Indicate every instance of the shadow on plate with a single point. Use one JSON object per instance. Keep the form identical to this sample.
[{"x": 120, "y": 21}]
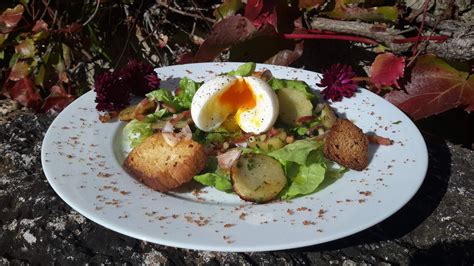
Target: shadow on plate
[{"x": 417, "y": 210}]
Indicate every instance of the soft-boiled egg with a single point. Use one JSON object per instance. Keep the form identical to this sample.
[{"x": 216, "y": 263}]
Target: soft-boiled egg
[{"x": 249, "y": 101}]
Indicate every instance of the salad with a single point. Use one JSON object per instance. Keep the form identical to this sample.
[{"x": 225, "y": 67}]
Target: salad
[{"x": 253, "y": 134}]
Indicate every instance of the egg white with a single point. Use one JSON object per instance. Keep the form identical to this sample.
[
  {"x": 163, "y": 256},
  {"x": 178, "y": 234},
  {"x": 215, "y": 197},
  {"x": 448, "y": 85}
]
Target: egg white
[{"x": 208, "y": 113}]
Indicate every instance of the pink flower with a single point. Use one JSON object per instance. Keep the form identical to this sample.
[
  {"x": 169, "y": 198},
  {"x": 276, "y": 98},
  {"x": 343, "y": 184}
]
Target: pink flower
[{"x": 338, "y": 82}]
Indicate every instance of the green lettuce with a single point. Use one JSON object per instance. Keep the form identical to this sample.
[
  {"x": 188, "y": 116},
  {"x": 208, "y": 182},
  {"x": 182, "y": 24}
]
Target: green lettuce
[
  {"x": 182, "y": 100},
  {"x": 244, "y": 70},
  {"x": 220, "y": 182},
  {"x": 300, "y": 85},
  {"x": 297, "y": 151},
  {"x": 137, "y": 131},
  {"x": 306, "y": 180},
  {"x": 188, "y": 89}
]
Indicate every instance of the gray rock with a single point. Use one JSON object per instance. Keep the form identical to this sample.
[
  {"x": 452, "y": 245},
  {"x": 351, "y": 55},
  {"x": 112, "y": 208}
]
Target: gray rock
[{"x": 36, "y": 226}]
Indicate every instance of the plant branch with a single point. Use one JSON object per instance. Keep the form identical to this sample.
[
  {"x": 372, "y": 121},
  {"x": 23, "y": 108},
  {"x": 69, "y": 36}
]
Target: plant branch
[
  {"x": 330, "y": 37},
  {"x": 368, "y": 30},
  {"x": 184, "y": 13}
]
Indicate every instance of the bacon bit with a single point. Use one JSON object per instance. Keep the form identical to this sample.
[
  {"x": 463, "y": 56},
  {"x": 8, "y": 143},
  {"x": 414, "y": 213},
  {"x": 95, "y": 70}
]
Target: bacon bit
[
  {"x": 375, "y": 139},
  {"x": 229, "y": 158},
  {"x": 313, "y": 129},
  {"x": 108, "y": 116},
  {"x": 170, "y": 108},
  {"x": 290, "y": 139},
  {"x": 272, "y": 132},
  {"x": 304, "y": 119},
  {"x": 144, "y": 107},
  {"x": 178, "y": 117}
]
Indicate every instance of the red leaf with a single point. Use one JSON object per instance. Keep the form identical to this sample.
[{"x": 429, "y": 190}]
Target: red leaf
[
  {"x": 262, "y": 13},
  {"x": 435, "y": 87},
  {"x": 57, "y": 100},
  {"x": 386, "y": 69},
  {"x": 10, "y": 18},
  {"x": 19, "y": 71},
  {"x": 40, "y": 25},
  {"x": 24, "y": 92},
  {"x": 224, "y": 34}
]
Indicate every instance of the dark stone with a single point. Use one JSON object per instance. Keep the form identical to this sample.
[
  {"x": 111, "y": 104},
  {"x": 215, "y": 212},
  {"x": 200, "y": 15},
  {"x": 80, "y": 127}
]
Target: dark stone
[{"x": 36, "y": 226}]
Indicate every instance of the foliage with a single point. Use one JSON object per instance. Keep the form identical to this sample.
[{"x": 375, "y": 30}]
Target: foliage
[{"x": 41, "y": 51}]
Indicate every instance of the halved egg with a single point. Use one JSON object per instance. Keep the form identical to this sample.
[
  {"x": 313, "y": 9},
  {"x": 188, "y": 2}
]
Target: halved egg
[{"x": 249, "y": 101}]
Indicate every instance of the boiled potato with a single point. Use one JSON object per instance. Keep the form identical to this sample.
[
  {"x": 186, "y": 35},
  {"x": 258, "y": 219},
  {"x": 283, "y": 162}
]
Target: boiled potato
[
  {"x": 258, "y": 178},
  {"x": 293, "y": 105},
  {"x": 269, "y": 144}
]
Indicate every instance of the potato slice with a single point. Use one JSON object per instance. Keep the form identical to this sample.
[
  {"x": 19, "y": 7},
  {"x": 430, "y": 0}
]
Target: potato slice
[
  {"x": 258, "y": 178},
  {"x": 293, "y": 105},
  {"x": 269, "y": 144}
]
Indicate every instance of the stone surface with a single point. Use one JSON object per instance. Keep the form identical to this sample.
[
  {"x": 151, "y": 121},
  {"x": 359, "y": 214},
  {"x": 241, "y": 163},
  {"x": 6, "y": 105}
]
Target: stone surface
[{"x": 36, "y": 226}]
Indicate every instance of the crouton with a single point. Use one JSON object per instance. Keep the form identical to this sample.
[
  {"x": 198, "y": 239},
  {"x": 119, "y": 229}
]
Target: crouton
[
  {"x": 347, "y": 145},
  {"x": 163, "y": 167}
]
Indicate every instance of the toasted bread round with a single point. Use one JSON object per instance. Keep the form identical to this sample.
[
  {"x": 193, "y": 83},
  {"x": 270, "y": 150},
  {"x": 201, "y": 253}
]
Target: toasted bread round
[
  {"x": 347, "y": 145},
  {"x": 163, "y": 167}
]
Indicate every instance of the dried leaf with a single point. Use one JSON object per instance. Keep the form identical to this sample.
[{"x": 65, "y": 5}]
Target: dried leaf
[
  {"x": 348, "y": 10},
  {"x": 227, "y": 8},
  {"x": 310, "y": 4},
  {"x": 435, "y": 87},
  {"x": 26, "y": 49},
  {"x": 10, "y": 18},
  {"x": 225, "y": 33},
  {"x": 262, "y": 13},
  {"x": 24, "y": 92},
  {"x": 57, "y": 100},
  {"x": 39, "y": 26},
  {"x": 386, "y": 69},
  {"x": 286, "y": 57},
  {"x": 19, "y": 71}
]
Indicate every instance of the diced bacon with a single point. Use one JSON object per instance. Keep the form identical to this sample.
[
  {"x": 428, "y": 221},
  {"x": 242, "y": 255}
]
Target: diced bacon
[
  {"x": 375, "y": 139},
  {"x": 229, "y": 158}
]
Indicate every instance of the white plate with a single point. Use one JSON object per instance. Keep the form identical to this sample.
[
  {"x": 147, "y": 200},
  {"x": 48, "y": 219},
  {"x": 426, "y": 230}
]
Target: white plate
[{"x": 82, "y": 159}]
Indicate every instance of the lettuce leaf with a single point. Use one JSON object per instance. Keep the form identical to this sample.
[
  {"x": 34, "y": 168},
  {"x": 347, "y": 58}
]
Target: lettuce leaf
[
  {"x": 137, "y": 131},
  {"x": 188, "y": 89},
  {"x": 182, "y": 100},
  {"x": 297, "y": 151},
  {"x": 220, "y": 182},
  {"x": 300, "y": 85},
  {"x": 306, "y": 180},
  {"x": 244, "y": 70}
]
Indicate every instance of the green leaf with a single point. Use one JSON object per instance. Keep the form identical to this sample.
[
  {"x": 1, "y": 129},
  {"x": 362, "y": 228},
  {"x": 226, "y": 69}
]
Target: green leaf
[
  {"x": 244, "y": 70},
  {"x": 39, "y": 77},
  {"x": 297, "y": 151},
  {"x": 3, "y": 38},
  {"x": 188, "y": 89},
  {"x": 13, "y": 60},
  {"x": 349, "y": 10},
  {"x": 137, "y": 131},
  {"x": 227, "y": 8},
  {"x": 26, "y": 49},
  {"x": 2, "y": 54},
  {"x": 220, "y": 182},
  {"x": 306, "y": 180}
]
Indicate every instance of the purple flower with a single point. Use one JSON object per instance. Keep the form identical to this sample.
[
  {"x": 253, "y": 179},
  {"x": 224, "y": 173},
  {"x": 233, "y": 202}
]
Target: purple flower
[
  {"x": 138, "y": 73},
  {"x": 112, "y": 93},
  {"x": 338, "y": 82},
  {"x": 114, "y": 89}
]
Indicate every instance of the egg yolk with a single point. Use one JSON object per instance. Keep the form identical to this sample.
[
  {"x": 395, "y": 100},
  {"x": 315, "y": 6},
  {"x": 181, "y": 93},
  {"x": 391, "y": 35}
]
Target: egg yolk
[{"x": 238, "y": 96}]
